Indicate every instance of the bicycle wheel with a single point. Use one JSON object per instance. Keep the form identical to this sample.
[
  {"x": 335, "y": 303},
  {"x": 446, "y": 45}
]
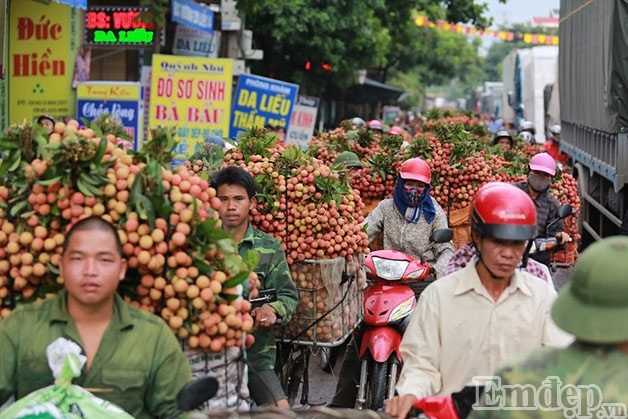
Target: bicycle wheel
[
  {"x": 376, "y": 390},
  {"x": 295, "y": 378}
]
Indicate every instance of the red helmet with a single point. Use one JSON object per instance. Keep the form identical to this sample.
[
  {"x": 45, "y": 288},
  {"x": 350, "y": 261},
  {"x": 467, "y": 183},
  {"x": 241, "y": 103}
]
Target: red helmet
[
  {"x": 375, "y": 124},
  {"x": 503, "y": 211},
  {"x": 543, "y": 162},
  {"x": 416, "y": 169}
]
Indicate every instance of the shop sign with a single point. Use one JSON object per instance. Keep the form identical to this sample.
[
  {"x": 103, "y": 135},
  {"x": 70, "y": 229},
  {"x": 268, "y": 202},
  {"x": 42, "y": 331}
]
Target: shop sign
[
  {"x": 192, "y": 15},
  {"x": 118, "y": 26},
  {"x": 302, "y": 121},
  {"x": 260, "y": 101}
]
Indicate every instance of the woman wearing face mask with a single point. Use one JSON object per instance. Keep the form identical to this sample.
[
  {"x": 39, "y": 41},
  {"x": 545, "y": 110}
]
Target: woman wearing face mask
[
  {"x": 409, "y": 218},
  {"x": 542, "y": 168},
  {"x": 407, "y": 221}
]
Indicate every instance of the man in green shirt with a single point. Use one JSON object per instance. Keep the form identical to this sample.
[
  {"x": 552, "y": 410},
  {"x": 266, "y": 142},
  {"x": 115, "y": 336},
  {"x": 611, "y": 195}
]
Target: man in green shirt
[
  {"x": 588, "y": 378},
  {"x": 236, "y": 189},
  {"x": 133, "y": 358}
]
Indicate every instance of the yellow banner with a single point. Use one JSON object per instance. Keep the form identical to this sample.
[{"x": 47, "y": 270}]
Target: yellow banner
[
  {"x": 43, "y": 42},
  {"x": 192, "y": 94},
  {"x": 104, "y": 91}
]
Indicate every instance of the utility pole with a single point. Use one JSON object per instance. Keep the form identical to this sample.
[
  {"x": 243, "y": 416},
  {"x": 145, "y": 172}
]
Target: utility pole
[{"x": 237, "y": 41}]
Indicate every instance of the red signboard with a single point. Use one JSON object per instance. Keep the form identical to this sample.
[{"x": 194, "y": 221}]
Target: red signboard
[{"x": 118, "y": 26}]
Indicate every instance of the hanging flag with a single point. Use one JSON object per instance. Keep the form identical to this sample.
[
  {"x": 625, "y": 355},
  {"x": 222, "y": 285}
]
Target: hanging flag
[{"x": 528, "y": 38}]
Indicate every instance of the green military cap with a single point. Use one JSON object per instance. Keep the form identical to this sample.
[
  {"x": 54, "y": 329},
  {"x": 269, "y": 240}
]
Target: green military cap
[
  {"x": 594, "y": 305},
  {"x": 348, "y": 158}
]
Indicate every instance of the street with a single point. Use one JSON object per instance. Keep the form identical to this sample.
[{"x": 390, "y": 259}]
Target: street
[{"x": 322, "y": 384}]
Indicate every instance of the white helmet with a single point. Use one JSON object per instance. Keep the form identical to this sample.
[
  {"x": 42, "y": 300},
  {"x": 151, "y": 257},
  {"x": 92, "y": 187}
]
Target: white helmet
[
  {"x": 527, "y": 126},
  {"x": 555, "y": 131}
]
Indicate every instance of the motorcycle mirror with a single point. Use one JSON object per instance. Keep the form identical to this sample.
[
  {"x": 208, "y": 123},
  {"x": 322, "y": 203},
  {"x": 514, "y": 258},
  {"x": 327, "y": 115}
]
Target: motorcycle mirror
[
  {"x": 442, "y": 235},
  {"x": 196, "y": 392},
  {"x": 563, "y": 211}
]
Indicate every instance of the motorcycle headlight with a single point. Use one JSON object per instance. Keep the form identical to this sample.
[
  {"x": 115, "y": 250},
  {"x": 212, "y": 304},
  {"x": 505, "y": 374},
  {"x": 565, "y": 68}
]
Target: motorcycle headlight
[
  {"x": 402, "y": 310},
  {"x": 391, "y": 270}
]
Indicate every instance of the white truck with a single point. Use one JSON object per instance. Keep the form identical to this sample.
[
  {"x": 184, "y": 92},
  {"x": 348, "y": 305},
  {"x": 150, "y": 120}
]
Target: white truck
[
  {"x": 527, "y": 73},
  {"x": 593, "y": 75}
]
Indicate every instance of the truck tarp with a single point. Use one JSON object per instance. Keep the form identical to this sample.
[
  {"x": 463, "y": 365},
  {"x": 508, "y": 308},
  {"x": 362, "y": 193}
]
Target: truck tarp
[{"x": 596, "y": 77}]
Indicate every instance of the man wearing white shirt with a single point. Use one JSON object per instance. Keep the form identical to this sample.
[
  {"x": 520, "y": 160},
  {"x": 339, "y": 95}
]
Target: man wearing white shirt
[{"x": 468, "y": 323}]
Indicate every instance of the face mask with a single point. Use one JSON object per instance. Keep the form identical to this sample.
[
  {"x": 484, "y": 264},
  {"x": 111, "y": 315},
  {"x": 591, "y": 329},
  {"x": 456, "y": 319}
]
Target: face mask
[
  {"x": 539, "y": 183},
  {"x": 414, "y": 195}
]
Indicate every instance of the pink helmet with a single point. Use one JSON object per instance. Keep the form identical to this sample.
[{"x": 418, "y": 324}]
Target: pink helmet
[
  {"x": 416, "y": 169},
  {"x": 543, "y": 162},
  {"x": 394, "y": 130},
  {"x": 374, "y": 124}
]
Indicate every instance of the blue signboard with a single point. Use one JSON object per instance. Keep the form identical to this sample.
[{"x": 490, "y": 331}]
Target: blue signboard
[
  {"x": 260, "y": 101},
  {"x": 193, "y": 15},
  {"x": 123, "y": 101}
]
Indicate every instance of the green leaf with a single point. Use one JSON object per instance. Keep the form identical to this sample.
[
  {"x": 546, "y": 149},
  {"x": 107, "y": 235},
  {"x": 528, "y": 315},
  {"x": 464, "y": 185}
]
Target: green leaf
[
  {"x": 101, "y": 149},
  {"x": 252, "y": 258},
  {"x": 17, "y": 208},
  {"x": 9, "y": 144},
  {"x": 15, "y": 163},
  {"x": 236, "y": 280},
  {"x": 229, "y": 297},
  {"x": 47, "y": 182},
  {"x": 146, "y": 210}
]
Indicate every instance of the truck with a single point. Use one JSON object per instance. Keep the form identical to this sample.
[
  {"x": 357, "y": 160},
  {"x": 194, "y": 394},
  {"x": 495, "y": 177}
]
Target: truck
[
  {"x": 593, "y": 75},
  {"x": 527, "y": 75}
]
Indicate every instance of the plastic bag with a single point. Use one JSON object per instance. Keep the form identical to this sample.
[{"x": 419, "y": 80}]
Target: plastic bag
[{"x": 63, "y": 400}]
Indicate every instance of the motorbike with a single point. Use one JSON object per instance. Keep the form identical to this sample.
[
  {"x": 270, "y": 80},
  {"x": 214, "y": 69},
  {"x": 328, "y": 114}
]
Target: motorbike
[
  {"x": 456, "y": 406},
  {"x": 388, "y": 303},
  {"x": 542, "y": 244},
  {"x": 195, "y": 393}
]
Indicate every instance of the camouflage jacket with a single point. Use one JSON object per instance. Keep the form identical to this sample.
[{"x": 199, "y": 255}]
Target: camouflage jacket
[
  {"x": 578, "y": 381},
  {"x": 273, "y": 272}
]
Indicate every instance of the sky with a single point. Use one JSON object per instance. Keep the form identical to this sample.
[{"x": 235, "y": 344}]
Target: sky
[
  {"x": 514, "y": 11},
  {"x": 519, "y": 11}
]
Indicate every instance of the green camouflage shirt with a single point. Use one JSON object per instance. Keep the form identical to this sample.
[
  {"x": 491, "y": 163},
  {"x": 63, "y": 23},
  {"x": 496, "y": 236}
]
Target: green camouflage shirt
[
  {"x": 139, "y": 364},
  {"x": 273, "y": 272},
  {"x": 575, "y": 382}
]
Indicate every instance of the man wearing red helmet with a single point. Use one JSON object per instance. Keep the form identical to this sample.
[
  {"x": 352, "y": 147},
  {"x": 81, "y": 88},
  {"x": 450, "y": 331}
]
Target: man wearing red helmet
[
  {"x": 407, "y": 222},
  {"x": 467, "y": 323},
  {"x": 542, "y": 168}
]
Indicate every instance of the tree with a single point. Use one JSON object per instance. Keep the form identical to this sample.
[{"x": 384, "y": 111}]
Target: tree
[{"x": 345, "y": 34}]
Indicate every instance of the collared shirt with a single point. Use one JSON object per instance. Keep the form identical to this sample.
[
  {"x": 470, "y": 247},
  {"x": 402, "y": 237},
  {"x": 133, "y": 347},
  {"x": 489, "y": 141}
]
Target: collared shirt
[
  {"x": 458, "y": 331},
  {"x": 410, "y": 238},
  {"x": 465, "y": 254},
  {"x": 139, "y": 363},
  {"x": 273, "y": 272}
]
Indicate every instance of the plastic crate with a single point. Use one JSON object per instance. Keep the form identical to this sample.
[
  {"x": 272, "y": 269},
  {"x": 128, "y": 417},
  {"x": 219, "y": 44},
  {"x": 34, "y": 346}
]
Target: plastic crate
[{"x": 327, "y": 312}]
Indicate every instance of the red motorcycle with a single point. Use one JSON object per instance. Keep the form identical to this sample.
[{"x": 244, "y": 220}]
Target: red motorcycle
[
  {"x": 387, "y": 305},
  {"x": 456, "y": 406}
]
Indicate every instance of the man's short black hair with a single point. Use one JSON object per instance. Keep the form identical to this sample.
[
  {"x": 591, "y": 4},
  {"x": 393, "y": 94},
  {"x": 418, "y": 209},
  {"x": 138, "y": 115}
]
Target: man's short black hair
[
  {"x": 90, "y": 224},
  {"x": 235, "y": 175}
]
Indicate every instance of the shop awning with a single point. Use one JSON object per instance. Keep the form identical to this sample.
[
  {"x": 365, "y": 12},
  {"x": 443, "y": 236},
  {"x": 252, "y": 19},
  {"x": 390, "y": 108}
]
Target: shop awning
[{"x": 373, "y": 90}]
